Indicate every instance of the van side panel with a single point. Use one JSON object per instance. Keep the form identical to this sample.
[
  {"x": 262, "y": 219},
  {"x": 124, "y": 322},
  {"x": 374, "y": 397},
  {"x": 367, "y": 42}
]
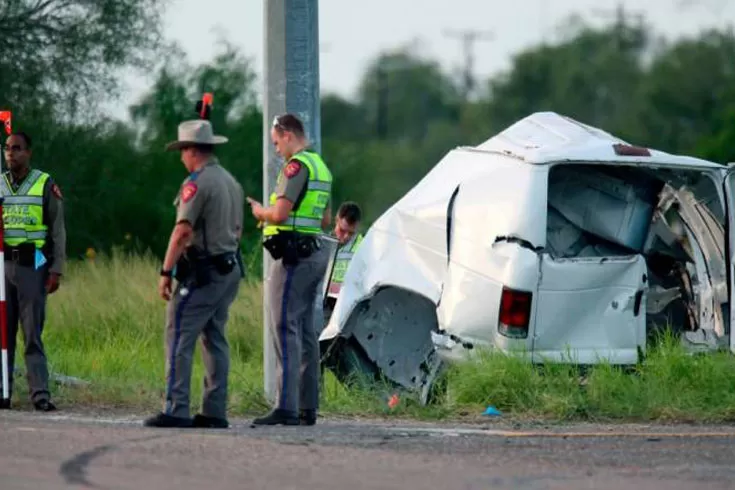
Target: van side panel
[{"x": 491, "y": 246}]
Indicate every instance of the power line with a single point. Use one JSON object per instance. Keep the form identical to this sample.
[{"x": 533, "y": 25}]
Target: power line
[{"x": 468, "y": 38}]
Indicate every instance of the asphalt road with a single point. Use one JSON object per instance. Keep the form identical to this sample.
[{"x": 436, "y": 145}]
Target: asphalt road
[{"x": 85, "y": 451}]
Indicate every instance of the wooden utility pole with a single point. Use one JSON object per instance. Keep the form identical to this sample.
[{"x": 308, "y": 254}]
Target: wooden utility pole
[
  {"x": 468, "y": 39},
  {"x": 621, "y": 17}
]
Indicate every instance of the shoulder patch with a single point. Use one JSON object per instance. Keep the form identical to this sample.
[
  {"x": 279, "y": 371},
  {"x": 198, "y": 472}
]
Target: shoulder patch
[
  {"x": 188, "y": 191},
  {"x": 57, "y": 192},
  {"x": 292, "y": 168}
]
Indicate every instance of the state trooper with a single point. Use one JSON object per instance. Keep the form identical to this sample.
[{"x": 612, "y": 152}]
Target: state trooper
[
  {"x": 35, "y": 251},
  {"x": 299, "y": 209},
  {"x": 346, "y": 226},
  {"x": 202, "y": 258}
]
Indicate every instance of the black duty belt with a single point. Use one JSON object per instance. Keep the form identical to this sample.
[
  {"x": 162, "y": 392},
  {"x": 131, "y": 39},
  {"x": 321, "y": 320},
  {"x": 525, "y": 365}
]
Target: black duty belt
[
  {"x": 23, "y": 254},
  {"x": 198, "y": 267},
  {"x": 291, "y": 246},
  {"x": 211, "y": 260}
]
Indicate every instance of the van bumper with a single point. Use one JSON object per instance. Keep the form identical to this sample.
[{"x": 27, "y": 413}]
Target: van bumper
[{"x": 450, "y": 348}]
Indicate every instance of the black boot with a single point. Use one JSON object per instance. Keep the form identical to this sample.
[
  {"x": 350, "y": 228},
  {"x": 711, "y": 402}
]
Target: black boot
[
  {"x": 307, "y": 417},
  {"x": 44, "y": 406},
  {"x": 278, "y": 417},
  {"x": 163, "y": 420},
  {"x": 209, "y": 422}
]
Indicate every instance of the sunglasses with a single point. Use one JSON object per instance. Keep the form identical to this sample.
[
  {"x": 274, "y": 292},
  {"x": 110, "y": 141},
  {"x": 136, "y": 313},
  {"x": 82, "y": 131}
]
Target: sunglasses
[
  {"x": 14, "y": 148},
  {"x": 279, "y": 125}
]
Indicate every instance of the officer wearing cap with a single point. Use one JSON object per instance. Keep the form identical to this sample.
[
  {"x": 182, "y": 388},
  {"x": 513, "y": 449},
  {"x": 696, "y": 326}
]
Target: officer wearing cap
[
  {"x": 202, "y": 258},
  {"x": 298, "y": 211},
  {"x": 35, "y": 251}
]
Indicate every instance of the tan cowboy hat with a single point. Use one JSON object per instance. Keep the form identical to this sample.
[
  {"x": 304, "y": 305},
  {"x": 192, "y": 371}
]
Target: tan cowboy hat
[{"x": 198, "y": 131}]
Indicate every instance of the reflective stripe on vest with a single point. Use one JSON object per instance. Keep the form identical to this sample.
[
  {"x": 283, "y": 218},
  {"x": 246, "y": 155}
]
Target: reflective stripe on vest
[
  {"x": 23, "y": 210},
  {"x": 307, "y": 218},
  {"x": 342, "y": 261}
]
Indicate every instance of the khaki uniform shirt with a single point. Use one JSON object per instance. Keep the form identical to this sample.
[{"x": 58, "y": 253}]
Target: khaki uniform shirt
[
  {"x": 53, "y": 216},
  {"x": 213, "y": 203},
  {"x": 292, "y": 184}
]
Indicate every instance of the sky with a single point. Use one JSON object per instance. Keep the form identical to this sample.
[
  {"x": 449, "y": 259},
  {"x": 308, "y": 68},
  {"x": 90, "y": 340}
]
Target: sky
[{"x": 352, "y": 33}]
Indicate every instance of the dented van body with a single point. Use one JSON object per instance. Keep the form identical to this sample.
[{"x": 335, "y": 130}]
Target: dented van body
[{"x": 554, "y": 240}]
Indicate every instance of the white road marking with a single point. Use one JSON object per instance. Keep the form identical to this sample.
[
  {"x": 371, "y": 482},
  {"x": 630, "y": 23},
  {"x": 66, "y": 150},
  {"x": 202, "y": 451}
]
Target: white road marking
[
  {"x": 448, "y": 431},
  {"x": 134, "y": 420},
  {"x": 131, "y": 420}
]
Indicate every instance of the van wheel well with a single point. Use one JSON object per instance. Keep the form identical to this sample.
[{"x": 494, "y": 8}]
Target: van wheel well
[{"x": 388, "y": 336}]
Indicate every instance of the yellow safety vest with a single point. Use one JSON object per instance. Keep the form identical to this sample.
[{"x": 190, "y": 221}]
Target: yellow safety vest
[
  {"x": 307, "y": 217},
  {"x": 341, "y": 262},
  {"x": 23, "y": 210}
]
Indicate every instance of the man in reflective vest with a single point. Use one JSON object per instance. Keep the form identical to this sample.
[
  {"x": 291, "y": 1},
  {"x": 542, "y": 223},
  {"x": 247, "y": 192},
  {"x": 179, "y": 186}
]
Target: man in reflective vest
[
  {"x": 35, "y": 251},
  {"x": 346, "y": 228},
  {"x": 298, "y": 211}
]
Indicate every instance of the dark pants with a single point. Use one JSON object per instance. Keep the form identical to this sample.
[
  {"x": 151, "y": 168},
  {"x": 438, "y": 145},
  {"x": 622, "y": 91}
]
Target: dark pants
[
  {"x": 293, "y": 290},
  {"x": 199, "y": 313},
  {"x": 25, "y": 294}
]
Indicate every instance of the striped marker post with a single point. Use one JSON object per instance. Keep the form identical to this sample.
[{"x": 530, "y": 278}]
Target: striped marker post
[
  {"x": 6, "y": 118},
  {"x": 5, "y": 402}
]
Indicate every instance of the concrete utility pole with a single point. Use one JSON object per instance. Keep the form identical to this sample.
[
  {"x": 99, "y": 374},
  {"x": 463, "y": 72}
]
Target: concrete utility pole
[
  {"x": 469, "y": 38},
  {"x": 291, "y": 78}
]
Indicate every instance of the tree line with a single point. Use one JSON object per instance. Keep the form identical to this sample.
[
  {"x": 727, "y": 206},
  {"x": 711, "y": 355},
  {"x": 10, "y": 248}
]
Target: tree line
[{"x": 65, "y": 57}]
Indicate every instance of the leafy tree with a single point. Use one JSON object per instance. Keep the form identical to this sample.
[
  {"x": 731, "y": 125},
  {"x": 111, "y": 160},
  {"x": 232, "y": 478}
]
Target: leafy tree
[
  {"x": 590, "y": 77},
  {"x": 118, "y": 182},
  {"x": 61, "y": 54},
  {"x": 688, "y": 92},
  {"x": 172, "y": 100},
  {"x": 343, "y": 120},
  {"x": 401, "y": 93}
]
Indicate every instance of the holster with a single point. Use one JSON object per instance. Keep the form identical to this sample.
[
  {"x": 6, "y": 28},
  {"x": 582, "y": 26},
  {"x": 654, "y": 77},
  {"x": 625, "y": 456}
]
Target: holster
[
  {"x": 195, "y": 268},
  {"x": 23, "y": 254},
  {"x": 185, "y": 272},
  {"x": 275, "y": 245}
]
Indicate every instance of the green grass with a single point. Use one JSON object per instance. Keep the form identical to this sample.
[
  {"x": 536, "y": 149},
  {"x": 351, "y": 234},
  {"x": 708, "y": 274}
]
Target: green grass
[
  {"x": 668, "y": 385},
  {"x": 105, "y": 326}
]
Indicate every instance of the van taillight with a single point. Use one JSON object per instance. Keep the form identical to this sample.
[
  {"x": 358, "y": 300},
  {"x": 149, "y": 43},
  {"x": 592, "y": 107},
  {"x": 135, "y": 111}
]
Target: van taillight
[{"x": 515, "y": 313}]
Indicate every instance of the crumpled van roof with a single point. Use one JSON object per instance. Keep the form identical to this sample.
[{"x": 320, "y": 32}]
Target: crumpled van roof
[{"x": 547, "y": 137}]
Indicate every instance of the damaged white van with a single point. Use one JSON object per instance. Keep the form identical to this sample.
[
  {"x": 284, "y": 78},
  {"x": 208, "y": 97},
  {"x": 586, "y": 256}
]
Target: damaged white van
[{"x": 552, "y": 239}]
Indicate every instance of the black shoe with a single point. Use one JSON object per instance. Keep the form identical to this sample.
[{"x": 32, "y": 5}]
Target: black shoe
[
  {"x": 278, "y": 417},
  {"x": 209, "y": 422},
  {"x": 4, "y": 404},
  {"x": 307, "y": 417},
  {"x": 163, "y": 420},
  {"x": 44, "y": 406}
]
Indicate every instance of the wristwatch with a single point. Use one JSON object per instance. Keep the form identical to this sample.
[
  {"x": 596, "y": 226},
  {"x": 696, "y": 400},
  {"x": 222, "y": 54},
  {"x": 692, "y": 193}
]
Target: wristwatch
[{"x": 165, "y": 273}]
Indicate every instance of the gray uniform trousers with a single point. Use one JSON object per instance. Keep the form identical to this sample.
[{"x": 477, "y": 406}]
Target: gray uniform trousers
[
  {"x": 25, "y": 297},
  {"x": 190, "y": 312},
  {"x": 293, "y": 291}
]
